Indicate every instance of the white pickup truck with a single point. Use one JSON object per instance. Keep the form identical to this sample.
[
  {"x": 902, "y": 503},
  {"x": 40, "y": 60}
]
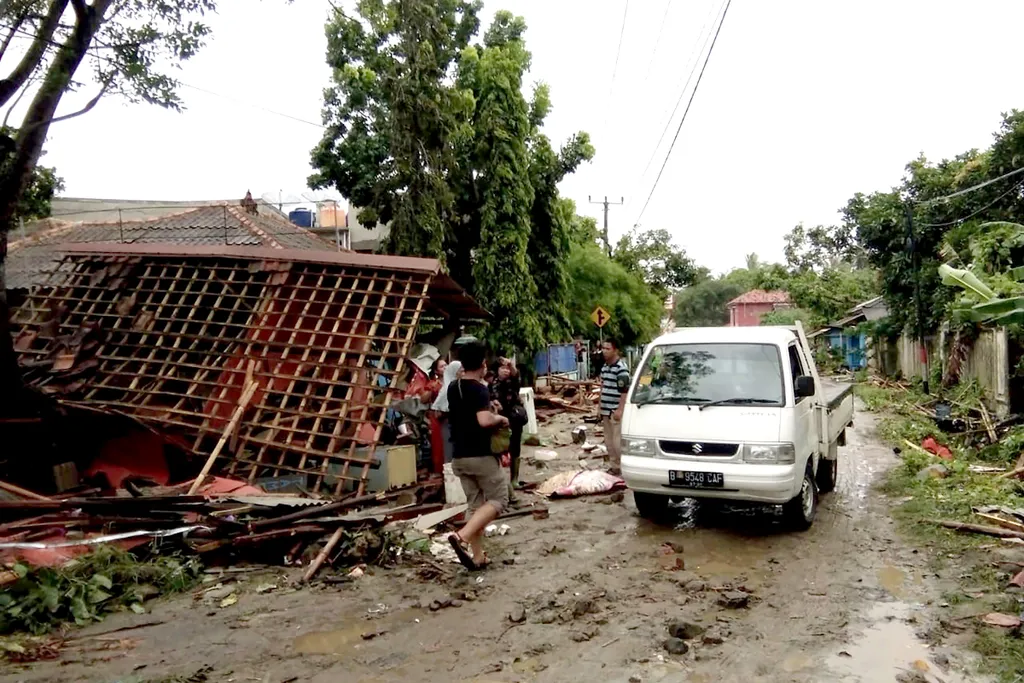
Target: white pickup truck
[{"x": 736, "y": 414}]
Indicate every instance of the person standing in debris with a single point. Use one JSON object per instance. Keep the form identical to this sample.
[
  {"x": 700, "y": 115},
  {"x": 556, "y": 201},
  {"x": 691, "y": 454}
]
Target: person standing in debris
[
  {"x": 473, "y": 422},
  {"x": 440, "y": 405},
  {"x": 505, "y": 394},
  {"x": 614, "y": 384}
]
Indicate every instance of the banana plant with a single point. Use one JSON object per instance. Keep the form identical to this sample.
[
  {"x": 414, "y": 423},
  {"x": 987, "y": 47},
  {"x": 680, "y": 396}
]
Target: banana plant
[{"x": 990, "y": 308}]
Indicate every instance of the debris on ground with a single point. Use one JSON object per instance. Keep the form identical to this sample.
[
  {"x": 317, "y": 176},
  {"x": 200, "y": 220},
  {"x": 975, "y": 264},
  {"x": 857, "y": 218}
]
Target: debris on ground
[{"x": 580, "y": 483}]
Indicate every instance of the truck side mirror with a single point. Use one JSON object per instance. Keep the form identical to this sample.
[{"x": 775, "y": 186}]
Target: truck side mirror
[{"x": 804, "y": 386}]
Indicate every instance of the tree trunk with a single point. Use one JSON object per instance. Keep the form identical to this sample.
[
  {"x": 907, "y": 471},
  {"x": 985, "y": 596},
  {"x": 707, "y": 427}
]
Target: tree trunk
[{"x": 28, "y": 146}]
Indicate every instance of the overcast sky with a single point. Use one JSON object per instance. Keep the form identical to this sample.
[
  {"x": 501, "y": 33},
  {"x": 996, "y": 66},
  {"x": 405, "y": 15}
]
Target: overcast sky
[{"x": 803, "y": 103}]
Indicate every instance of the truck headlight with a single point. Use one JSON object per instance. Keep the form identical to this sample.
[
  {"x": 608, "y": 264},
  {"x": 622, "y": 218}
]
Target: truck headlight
[
  {"x": 641, "y": 447},
  {"x": 769, "y": 453}
]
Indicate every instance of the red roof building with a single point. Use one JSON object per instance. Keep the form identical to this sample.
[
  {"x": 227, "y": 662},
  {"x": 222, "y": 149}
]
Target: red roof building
[{"x": 746, "y": 310}]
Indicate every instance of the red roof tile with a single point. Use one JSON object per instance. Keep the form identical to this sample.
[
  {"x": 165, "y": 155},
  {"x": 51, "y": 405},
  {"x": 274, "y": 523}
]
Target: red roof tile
[{"x": 759, "y": 296}]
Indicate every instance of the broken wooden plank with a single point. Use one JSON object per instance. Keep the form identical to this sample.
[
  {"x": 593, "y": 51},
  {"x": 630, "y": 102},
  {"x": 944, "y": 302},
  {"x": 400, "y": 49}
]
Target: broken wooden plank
[
  {"x": 1000, "y": 522},
  {"x": 978, "y": 528},
  {"x": 22, "y": 493},
  {"x": 243, "y": 403}
]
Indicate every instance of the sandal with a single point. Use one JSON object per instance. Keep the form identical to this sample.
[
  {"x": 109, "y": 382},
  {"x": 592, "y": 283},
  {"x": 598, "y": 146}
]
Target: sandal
[{"x": 462, "y": 553}]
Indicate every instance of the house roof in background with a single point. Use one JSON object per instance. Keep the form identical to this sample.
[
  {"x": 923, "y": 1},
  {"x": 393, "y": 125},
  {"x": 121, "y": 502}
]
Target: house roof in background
[
  {"x": 760, "y": 296},
  {"x": 30, "y": 259}
]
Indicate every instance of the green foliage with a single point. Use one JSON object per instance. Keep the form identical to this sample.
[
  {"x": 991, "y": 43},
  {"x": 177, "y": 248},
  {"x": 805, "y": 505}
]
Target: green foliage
[
  {"x": 789, "y": 316},
  {"x": 433, "y": 136},
  {"x": 944, "y": 229},
  {"x": 596, "y": 280},
  {"x": 80, "y": 591},
  {"x": 651, "y": 255},
  {"x": 44, "y": 184},
  {"x": 822, "y": 248},
  {"x": 501, "y": 269},
  {"x": 394, "y": 120}
]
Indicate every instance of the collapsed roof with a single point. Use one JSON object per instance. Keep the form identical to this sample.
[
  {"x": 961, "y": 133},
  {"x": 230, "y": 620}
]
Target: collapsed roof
[{"x": 174, "y": 336}]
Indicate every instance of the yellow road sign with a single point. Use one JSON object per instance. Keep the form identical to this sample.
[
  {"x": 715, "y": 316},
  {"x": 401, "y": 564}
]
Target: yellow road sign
[{"x": 600, "y": 317}]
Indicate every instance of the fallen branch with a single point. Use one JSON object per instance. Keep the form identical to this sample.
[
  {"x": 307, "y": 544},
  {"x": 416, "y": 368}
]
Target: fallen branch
[{"x": 977, "y": 528}]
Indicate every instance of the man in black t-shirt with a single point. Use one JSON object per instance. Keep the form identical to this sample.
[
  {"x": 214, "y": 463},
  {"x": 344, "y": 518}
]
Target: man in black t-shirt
[{"x": 472, "y": 423}]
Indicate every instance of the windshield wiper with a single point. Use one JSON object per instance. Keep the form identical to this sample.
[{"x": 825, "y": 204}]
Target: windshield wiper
[
  {"x": 737, "y": 401},
  {"x": 684, "y": 400}
]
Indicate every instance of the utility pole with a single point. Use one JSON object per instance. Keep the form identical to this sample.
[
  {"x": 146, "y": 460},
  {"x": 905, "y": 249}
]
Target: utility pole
[
  {"x": 915, "y": 264},
  {"x": 606, "y": 204}
]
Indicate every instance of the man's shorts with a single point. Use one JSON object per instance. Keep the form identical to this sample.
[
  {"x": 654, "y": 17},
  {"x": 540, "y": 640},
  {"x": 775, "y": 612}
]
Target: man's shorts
[{"x": 483, "y": 481}]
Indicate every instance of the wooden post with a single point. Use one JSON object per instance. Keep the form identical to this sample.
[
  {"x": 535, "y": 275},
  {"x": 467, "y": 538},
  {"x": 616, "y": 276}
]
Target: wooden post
[{"x": 243, "y": 403}]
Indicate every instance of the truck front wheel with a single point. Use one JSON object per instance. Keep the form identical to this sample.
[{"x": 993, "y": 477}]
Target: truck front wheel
[
  {"x": 799, "y": 512},
  {"x": 651, "y": 506}
]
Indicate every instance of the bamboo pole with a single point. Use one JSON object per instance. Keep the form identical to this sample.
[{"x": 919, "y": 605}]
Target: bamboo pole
[{"x": 243, "y": 403}]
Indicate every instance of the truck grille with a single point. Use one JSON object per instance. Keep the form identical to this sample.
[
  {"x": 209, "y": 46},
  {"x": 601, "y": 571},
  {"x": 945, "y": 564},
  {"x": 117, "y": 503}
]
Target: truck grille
[{"x": 699, "y": 448}]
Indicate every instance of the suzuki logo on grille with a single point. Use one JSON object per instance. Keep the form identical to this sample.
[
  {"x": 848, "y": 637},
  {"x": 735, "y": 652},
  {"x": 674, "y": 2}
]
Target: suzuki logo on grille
[{"x": 697, "y": 448}]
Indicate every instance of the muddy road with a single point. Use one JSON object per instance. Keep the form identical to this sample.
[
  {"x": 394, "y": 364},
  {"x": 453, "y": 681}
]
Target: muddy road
[{"x": 590, "y": 592}]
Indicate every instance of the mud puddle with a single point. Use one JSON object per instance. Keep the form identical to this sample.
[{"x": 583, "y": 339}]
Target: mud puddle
[
  {"x": 887, "y": 648},
  {"x": 352, "y": 639}
]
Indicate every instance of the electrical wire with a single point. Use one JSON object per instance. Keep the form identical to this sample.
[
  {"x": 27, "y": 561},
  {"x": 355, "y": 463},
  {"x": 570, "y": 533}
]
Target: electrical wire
[
  {"x": 969, "y": 216},
  {"x": 94, "y": 55},
  {"x": 679, "y": 129},
  {"x": 694, "y": 54},
  {"x": 657, "y": 41},
  {"x": 618, "y": 50},
  {"x": 968, "y": 190}
]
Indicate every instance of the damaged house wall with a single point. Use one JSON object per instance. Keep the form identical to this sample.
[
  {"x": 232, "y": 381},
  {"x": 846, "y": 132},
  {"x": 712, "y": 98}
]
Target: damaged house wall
[{"x": 171, "y": 336}]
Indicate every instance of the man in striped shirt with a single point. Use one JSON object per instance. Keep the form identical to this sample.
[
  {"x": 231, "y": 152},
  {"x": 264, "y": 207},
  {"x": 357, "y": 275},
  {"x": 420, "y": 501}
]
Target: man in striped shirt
[{"x": 614, "y": 385}]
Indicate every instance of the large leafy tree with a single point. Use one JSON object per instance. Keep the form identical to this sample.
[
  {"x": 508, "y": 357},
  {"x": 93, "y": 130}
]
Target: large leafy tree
[
  {"x": 394, "y": 117},
  {"x": 485, "y": 196},
  {"x": 651, "y": 255},
  {"x": 501, "y": 271},
  {"x": 118, "y": 44}
]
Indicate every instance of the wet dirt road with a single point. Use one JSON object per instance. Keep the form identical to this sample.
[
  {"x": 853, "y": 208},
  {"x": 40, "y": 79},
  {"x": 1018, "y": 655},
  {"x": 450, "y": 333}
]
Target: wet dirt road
[{"x": 594, "y": 594}]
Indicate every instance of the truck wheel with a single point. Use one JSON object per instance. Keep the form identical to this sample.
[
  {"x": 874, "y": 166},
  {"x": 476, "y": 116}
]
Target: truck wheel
[
  {"x": 827, "y": 475},
  {"x": 651, "y": 506},
  {"x": 800, "y": 511}
]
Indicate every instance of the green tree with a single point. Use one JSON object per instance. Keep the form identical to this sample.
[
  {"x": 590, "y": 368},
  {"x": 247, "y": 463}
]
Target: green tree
[
  {"x": 822, "y": 247},
  {"x": 651, "y": 255},
  {"x": 434, "y": 136},
  {"x": 393, "y": 118},
  {"x": 122, "y": 42},
  {"x": 501, "y": 270},
  {"x": 596, "y": 280},
  {"x": 705, "y": 303}
]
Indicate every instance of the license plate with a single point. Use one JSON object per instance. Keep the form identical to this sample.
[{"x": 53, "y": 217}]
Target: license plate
[{"x": 696, "y": 480}]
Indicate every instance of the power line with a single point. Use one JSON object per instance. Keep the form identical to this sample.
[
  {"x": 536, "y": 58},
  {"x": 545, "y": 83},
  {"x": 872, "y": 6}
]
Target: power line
[
  {"x": 682, "y": 93},
  {"x": 970, "y": 189},
  {"x": 94, "y": 55},
  {"x": 685, "y": 112},
  {"x": 618, "y": 50},
  {"x": 657, "y": 41},
  {"x": 969, "y": 216}
]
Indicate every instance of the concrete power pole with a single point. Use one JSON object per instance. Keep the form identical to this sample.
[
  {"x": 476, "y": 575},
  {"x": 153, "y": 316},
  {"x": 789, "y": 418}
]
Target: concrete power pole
[{"x": 606, "y": 204}]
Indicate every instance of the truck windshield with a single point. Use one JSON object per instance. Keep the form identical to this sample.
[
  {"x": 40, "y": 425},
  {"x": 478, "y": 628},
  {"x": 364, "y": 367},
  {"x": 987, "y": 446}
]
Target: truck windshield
[{"x": 694, "y": 374}]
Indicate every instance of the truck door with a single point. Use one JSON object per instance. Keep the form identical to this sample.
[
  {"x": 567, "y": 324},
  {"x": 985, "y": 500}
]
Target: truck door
[{"x": 805, "y": 436}]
